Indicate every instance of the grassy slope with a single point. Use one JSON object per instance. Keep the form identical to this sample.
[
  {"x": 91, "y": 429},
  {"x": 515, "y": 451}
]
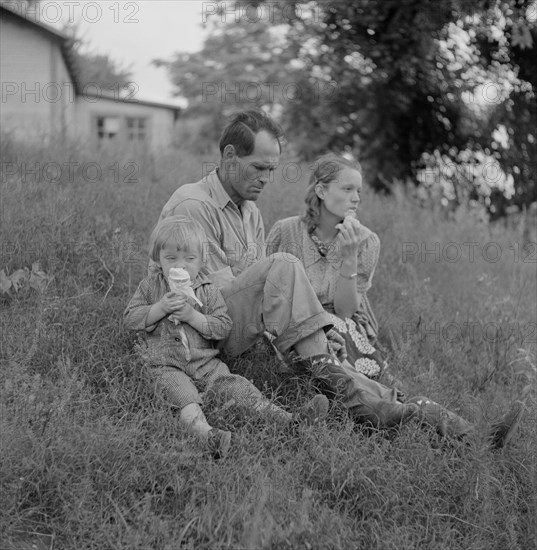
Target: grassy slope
[{"x": 89, "y": 460}]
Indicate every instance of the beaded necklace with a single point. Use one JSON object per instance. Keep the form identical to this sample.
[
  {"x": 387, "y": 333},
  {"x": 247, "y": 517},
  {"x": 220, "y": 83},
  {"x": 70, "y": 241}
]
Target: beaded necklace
[{"x": 323, "y": 248}]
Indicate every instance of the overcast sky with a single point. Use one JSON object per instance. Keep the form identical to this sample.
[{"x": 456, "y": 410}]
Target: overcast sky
[{"x": 134, "y": 33}]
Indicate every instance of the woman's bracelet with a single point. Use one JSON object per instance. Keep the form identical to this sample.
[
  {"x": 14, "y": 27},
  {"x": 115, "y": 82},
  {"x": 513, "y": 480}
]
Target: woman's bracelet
[{"x": 352, "y": 276}]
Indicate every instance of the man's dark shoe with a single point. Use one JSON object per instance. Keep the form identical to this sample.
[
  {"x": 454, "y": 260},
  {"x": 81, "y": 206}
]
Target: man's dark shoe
[
  {"x": 446, "y": 422},
  {"x": 502, "y": 431}
]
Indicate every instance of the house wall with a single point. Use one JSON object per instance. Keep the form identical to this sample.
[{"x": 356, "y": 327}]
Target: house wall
[
  {"x": 37, "y": 93},
  {"x": 38, "y": 98},
  {"x": 160, "y": 122}
]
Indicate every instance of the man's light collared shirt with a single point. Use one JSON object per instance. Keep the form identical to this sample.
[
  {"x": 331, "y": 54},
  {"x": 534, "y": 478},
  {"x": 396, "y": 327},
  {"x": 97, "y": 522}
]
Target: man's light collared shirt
[{"x": 231, "y": 231}]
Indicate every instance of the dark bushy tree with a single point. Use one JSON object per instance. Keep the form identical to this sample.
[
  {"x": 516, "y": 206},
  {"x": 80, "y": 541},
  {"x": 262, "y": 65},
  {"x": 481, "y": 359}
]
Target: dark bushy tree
[
  {"x": 388, "y": 80},
  {"x": 95, "y": 69}
]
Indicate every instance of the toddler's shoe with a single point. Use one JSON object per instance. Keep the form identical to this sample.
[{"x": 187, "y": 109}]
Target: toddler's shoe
[{"x": 218, "y": 443}]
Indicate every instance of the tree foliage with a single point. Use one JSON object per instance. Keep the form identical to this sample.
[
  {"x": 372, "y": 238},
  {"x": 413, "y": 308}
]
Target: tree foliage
[
  {"x": 237, "y": 68},
  {"x": 513, "y": 50},
  {"x": 411, "y": 87},
  {"x": 95, "y": 69}
]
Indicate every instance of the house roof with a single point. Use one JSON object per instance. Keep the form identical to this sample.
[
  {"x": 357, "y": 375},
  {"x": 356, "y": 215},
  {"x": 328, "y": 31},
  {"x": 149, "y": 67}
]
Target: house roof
[
  {"x": 61, "y": 38},
  {"x": 65, "y": 43},
  {"x": 112, "y": 96},
  {"x": 15, "y": 11}
]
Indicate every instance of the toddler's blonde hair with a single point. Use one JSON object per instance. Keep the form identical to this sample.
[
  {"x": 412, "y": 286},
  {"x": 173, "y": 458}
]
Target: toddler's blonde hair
[{"x": 186, "y": 233}]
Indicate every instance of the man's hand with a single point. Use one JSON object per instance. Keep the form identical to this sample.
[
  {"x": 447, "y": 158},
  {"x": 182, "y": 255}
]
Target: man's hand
[{"x": 336, "y": 344}]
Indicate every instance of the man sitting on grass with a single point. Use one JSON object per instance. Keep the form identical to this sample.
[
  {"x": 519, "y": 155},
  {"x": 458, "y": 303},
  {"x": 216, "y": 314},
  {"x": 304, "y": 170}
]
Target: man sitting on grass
[{"x": 273, "y": 293}]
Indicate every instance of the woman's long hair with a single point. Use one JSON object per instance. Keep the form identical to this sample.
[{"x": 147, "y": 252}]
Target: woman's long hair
[{"x": 326, "y": 169}]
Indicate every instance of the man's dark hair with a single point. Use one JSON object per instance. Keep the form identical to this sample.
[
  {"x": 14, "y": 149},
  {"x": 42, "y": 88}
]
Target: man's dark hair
[{"x": 242, "y": 128}]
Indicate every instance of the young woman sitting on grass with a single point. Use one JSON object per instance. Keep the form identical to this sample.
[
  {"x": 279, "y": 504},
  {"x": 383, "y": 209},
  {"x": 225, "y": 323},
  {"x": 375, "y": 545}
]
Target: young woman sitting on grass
[{"x": 340, "y": 255}]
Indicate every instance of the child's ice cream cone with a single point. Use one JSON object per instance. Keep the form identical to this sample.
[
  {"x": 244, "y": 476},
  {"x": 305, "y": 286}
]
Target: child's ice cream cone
[{"x": 179, "y": 281}]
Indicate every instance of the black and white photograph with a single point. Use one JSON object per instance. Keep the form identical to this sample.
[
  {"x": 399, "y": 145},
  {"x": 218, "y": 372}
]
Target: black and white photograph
[{"x": 268, "y": 274}]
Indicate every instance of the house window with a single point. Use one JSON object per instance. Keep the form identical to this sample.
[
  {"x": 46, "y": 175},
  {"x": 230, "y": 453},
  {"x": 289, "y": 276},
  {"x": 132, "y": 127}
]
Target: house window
[
  {"x": 107, "y": 127},
  {"x": 136, "y": 129}
]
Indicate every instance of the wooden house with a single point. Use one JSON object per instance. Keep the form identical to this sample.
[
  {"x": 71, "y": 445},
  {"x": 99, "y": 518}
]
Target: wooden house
[{"x": 42, "y": 98}]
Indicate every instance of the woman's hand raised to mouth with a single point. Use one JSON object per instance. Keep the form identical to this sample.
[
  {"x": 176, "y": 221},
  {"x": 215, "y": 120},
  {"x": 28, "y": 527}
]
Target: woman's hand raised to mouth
[{"x": 348, "y": 237}]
